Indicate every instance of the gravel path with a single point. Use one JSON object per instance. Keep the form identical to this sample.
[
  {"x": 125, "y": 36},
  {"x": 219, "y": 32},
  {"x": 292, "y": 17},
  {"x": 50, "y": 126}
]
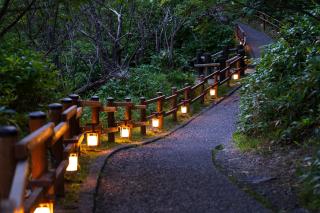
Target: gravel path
[
  {"x": 255, "y": 39},
  {"x": 176, "y": 174}
]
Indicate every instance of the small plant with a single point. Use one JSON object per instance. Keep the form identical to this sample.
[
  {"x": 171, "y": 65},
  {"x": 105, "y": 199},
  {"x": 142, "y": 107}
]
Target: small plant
[{"x": 310, "y": 180}]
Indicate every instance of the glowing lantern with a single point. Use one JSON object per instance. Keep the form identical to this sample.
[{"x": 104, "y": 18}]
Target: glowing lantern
[
  {"x": 44, "y": 208},
  {"x": 212, "y": 92},
  {"x": 92, "y": 139},
  {"x": 155, "y": 122},
  {"x": 73, "y": 163},
  {"x": 183, "y": 109},
  {"x": 235, "y": 76},
  {"x": 125, "y": 132}
]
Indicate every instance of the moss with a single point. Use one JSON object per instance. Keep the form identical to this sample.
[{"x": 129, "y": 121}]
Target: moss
[{"x": 244, "y": 142}]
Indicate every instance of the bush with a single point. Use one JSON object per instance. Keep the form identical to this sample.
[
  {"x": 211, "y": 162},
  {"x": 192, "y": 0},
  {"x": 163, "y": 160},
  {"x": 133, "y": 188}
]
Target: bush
[
  {"x": 282, "y": 97},
  {"x": 145, "y": 80},
  {"x": 28, "y": 82},
  {"x": 310, "y": 179}
]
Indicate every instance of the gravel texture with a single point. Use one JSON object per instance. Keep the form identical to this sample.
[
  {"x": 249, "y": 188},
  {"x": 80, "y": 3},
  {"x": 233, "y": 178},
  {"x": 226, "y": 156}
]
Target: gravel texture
[
  {"x": 270, "y": 174},
  {"x": 255, "y": 40},
  {"x": 176, "y": 174}
]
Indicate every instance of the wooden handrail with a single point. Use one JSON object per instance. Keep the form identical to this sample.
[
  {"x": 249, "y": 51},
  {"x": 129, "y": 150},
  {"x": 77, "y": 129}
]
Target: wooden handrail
[
  {"x": 64, "y": 134},
  {"x": 31, "y": 141}
]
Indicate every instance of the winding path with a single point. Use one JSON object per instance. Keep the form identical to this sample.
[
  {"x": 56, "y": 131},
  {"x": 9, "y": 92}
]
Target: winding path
[
  {"x": 176, "y": 174},
  {"x": 255, "y": 40}
]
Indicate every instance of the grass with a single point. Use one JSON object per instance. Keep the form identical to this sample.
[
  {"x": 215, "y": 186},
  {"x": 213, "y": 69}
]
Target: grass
[{"x": 244, "y": 142}]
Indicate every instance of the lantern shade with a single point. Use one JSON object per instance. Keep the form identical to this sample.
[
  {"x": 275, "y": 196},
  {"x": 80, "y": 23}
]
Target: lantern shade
[
  {"x": 44, "y": 208},
  {"x": 124, "y": 132},
  {"x": 155, "y": 122},
  {"x": 73, "y": 163},
  {"x": 183, "y": 109},
  {"x": 235, "y": 76},
  {"x": 212, "y": 92},
  {"x": 92, "y": 139}
]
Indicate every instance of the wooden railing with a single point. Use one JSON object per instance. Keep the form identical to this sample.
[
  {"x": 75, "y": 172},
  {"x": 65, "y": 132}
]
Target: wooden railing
[
  {"x": 33, "y": 168},
  {"x": 268, "y": 20},
  {"x": 241, "y": 35}
]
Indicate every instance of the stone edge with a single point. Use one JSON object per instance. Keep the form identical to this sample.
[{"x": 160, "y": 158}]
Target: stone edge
[{"x": 89, "y": 189}]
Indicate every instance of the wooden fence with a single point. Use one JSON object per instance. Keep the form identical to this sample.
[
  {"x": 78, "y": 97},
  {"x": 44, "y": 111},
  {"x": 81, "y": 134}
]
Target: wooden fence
[
  {"x": 268, "y": 20},
  {"x": 33, "y": 168}
]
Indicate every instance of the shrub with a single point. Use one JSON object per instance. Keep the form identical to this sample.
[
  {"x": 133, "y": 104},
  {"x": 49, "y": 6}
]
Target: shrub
[
  {"x": 282, "y": 96},
  {"x": 28, "y": 81},
  {"x": 310, "y": 179}
]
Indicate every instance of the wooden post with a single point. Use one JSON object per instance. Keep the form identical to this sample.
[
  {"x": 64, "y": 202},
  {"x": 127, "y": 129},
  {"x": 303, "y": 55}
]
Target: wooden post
[
  {"x": 39, "y": 160},
  {"x": 238, "y": 67},
  {"x": 128, "y": 115},
  {"x": 8, "y": 138},
  {"x": 199, "y": 61},
  {"x": 242, "y": 64},
  {"x": 202, "y": 87},
  {"x": 222, "y": 61},
  {"x": 66, "y": 103},
  {"x": 228, "y": 73},
  {"x": 95, "y": 118},
  {"x": 160, "y": 110},
  {"x": 174, "y": 103},
  {"x": 111, "y": 120},
  {"x": 143, "y": 117},
  {"x": 75, "y": 101},
  {"x": 55, "y": 112},
  {"x": 207, "y": 60},
  {"x": 216, "y": 87},
  {"x": 187, "y": 92}
]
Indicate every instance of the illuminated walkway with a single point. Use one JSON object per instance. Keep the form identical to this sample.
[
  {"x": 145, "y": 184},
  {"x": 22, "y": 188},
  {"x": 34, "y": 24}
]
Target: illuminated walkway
[
  {"x": 176, "y": 174},
  {"x": 255, "y": 40}
]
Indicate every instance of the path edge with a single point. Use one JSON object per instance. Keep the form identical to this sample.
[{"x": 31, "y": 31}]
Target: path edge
[{"x": 89, "y": 188}]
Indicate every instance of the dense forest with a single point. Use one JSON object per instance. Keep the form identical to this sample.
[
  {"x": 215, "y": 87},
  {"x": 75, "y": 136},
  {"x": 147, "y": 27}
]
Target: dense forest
[
  {"x": 109, "y": 48},
  {"x": 121, "y": 48}
]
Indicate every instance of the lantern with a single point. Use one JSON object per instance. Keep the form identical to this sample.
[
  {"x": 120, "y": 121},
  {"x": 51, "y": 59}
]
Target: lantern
[
  {"x": 124, "y": 132},
  {"x": 73, "y": 163},
  {"x": 183, "y": 109},
  {"x": 235, "y": 76},
  {"x": 155, "y": 122},
  {"x": 92, "y": 139},
  {"x": 212, "y": 92},
  {"x": 44, "y": 208}
]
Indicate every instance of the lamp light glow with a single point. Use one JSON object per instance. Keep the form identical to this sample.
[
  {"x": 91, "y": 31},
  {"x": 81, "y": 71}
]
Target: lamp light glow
[
  {"x": 235, "y": 76},
  {"x": 212, "y": 92},
  {"x": 92, "y": 139},
  {"x": 183, "y": 109},
  {"x": 73, "y": 163},
  {"x": 155, "y": 122},
  {"x": 124, "y": 132},
  {"x": 44, "y": 208}
]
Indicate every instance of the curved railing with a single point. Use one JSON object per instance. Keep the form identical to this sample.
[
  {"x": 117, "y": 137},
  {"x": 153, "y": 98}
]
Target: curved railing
[{"x": 33, "y": 168}]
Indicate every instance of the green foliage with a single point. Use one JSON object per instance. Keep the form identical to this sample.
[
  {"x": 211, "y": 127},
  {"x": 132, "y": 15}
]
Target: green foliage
[
  {"x": 206, "y": 34},
  {"x": 282, "y": 96},
  {"x": 310, "y": 179},
  {"x": 28, "y": 81},
  {"x": 146, "y": 81},
  {"x": 245, "y": 143}
]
